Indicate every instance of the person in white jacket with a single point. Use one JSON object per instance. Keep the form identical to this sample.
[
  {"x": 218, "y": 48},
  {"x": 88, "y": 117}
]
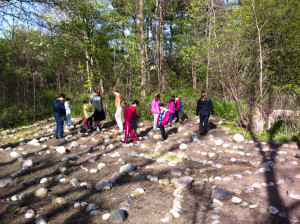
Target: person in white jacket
[{"x": 68, "y": 113}]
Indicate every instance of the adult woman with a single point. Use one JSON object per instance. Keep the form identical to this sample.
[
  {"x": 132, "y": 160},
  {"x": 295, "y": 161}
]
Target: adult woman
[
  {"x": 59, "y": 113},
  {"x": 204, "y": 109},
  {"x": 155, "y": 109}
]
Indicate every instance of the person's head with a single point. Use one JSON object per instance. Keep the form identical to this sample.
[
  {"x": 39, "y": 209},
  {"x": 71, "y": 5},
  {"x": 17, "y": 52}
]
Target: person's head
[
  {"x": 157, "y": 97},
  {"x": 123, "y": 105},
  {"x": 177, "y": 98},
  {"x": 203, "y": 95},
  {"x": 172, "y": 99},
  {"x": 97, "y": 92},
  {"x": 61, "y": 96},
  {"x": 161, "y": 106},
  {"x": 84, "y": 102},
  {"x": 68, "y": 99},
  {"x": 135, "y": 103},
  {"x": 115, "y": 92}
]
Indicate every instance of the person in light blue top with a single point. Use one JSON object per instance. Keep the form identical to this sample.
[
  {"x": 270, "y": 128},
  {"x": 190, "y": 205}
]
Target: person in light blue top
[{"x": 68, "y": 113}]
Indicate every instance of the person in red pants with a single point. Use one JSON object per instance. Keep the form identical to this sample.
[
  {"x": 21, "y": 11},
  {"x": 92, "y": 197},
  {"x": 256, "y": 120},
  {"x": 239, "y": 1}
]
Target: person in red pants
[{"x": 128, "y": 122}]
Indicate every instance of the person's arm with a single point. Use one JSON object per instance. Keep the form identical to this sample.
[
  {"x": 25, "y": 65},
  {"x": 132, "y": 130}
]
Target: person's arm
[
  {"x": 62, "y": 109},
  {"x": 198, "y": 108},
  {"x": 211, "y": 108}
]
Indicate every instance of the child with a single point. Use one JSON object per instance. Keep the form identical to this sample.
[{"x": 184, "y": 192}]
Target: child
[
  {"x": 171, "y": 104},
  {"x": 162, "y": 120},
  {"x": 68, "y": 113},
  {"x": 134, "y": 116},
  {"x": 128, "y": 122},
  {"x": 87, "y": 109},
  {"x": 178, "y": 109}
]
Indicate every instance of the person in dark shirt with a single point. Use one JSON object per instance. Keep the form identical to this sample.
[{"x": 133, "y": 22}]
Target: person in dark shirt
[
  {"x": 204, "y": 109},
  {"x": 59, "y": 112}
]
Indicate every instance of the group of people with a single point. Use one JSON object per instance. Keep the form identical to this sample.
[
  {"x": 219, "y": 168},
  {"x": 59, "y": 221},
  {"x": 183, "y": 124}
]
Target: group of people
[{"x": 163, "y": 114}]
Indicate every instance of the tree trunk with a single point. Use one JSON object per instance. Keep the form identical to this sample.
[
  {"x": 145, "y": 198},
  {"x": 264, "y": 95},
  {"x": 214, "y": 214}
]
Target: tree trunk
[
  {"x": 157, "y": 57},
  {"x": 194, "y": 76},
  {"x": 142, "y": 40},
  {"x": 161, "y": 41}
]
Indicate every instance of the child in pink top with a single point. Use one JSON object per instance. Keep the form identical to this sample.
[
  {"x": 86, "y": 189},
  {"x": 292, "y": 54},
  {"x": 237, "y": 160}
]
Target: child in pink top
[
  {"x": 162, "y": 120},
  {"x": 171, "y": 104},
  {"x": 155, "y": 109},
  {"x": 128, "y": 122}
]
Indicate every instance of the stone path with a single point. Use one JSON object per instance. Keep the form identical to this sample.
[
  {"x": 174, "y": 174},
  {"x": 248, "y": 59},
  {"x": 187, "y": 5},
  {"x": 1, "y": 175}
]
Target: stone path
[{"x": 93, "y": 178}]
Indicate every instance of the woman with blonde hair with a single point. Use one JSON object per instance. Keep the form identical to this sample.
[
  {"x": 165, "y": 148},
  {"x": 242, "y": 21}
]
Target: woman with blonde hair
[{"x": 204, "y": 110}]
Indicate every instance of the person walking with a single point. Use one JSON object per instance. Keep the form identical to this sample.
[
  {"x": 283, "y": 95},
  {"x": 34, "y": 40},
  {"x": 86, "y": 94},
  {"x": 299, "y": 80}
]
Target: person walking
[
  {"x": 155, "y": 109},
  {"x": 59, "y": 114},
  {"x": 204, "y": 110},
  {"x": 95, "y": 100},
  {"x": 128, "y": 123},
  {"x": 118, "y": 115},
  {"x": 171, "y": 105},
  {"x": 162, "y": 120}
]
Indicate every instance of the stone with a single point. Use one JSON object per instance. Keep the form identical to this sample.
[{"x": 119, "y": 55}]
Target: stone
[
  {"x": 84, "y": 204},
  {"x": 29, "y": 214},
  {"x": 95, "y": 212},
  {"x": 12, "y": 208},
  {"x": 22, "y": 196},
  {"x": 219, "y": 142},
  {"x": 61, "y": 149},
  {"x": 118, "y": 215},
  {"x": 236, "y": 200},
  {"x": 103, "y": 185},
  {"x": 14, "y": 198},
  {"x": 182, "y": 182},
  {"x": 221, "y": 194},
  {"x": 77, "y": 205},
  {"x": 139, "y": 191},
  {"x": 238, "y": 138},
  {"x": 59, "y": 201},
  {"x": 74, "y": 145},
  {"x": 164, "y": 181},
  {"x": 273, "y": 210},
  {"x": 127, "y": 168},
  {"x": 43, "y": 180},
  {"x": 294, "y": 194},
  {"x": 41, "y": 219},
  {"x": 153, "y": 178},
  {"x": 74, "y": 182},
  {"x": 94, "y": 170},
  {"x": 174, "y": 213},
  {"x": 93, "y": 159},
  {"x": 4, "y": 182},
  {"x": 183, "y": 146},
  {"x": 62, "y": 169},
  {"x": 41, "y": 192},
  {"x": 176, "y": 172},
  {"x": 105, "y": 216},
  {"x": 15, "y": 154},
  {"x": 100, "y": 166},
  {"x": 91, "y": 207},
  {"x": 134, "y": 153}
]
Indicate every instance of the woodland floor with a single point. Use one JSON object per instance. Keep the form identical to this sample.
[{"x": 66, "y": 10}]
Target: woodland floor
[{"x": 237, "y": 167}]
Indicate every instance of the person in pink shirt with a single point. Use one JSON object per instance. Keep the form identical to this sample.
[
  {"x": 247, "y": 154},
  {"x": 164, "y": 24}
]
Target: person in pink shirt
[
  {"x": 128, "y": 122},
  {"x": 155, "y": 109},
  {"x": 171, "y": 104}
]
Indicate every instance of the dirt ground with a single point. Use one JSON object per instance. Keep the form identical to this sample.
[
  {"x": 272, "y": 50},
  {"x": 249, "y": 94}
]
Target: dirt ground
[{"x": 235, "y": 166}]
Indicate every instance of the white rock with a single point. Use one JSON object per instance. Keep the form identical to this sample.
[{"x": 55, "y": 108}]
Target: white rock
[
  {"x": 93, "y": 170},
  {"x": 74, "y": 182},
  {"x": 219, "y": 142},
  {"x": 43, "y": 180},
  {"x": 174, "y": 213},
  {"x": 106, "y": 216},
  {"x": 236, "y": 200},
  {"x": 101, "y": 165},
  {"x": 61, "y": 149},
  {"x": 74, "y": 144},
  {"x": 238, "y": 138},
  {"x": 183, "y": 146},
  {"x": 294, "y": 194},
  {"x": 14, "y": 198},
  {"x": 273, "y": 210},
  {"x": 28, "y": 163},
  {"x": 15, "y": 154},
  {"x": 139, "y": 191},
  {"x": 29, "y": 214}
]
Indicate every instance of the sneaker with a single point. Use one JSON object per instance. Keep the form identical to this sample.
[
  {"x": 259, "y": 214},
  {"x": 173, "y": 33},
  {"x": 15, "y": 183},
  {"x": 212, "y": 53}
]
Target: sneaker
[
  {"x": 56, "y": 137},
  {"x": 71, "y": 126},
  {"x": 124, "y": 142},
  {"x": 297, "y": 156},
  {"x": 98, "y": 129}
]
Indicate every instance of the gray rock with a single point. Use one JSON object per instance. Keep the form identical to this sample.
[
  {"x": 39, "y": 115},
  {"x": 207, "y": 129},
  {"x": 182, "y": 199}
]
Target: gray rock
[
  {"x": 103, "y": 185},
  {"x": 118, "y": 215},
  {"x": 127, "y": 168},
  {"x": 5, "y": 181},
  {"x": 134, "y": 153},
  {"x": 74, "y": 182},
  {"x": 176, "y": 172},
  {"x": 91, "y": 207},
  {"x": 41, "y": 219},
  {"x": 220, "y": 194},
  {"x": 41, "y": 192},
  {"x": 182, "y": 182},
  {"x": 93, "y": 159}
]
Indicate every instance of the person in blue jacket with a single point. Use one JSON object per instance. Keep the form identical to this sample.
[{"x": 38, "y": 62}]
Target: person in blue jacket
[
  {"x": 59, "y": 112},
  {"x": 204, "y": 109}
]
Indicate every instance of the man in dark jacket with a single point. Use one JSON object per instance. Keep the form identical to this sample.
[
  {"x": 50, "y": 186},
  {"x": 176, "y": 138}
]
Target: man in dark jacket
[
  {"x": 58, "y": 112},
  {"x": 204, "y": 109}
]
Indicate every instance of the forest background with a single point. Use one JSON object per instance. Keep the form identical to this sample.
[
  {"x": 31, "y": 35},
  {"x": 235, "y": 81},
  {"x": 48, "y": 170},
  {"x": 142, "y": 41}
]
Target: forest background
[{"x": 245, "y": 54}]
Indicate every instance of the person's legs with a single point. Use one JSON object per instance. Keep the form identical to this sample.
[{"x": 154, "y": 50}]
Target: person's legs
[
  {"x": 155, "y": 121},
  {"x": 162, "y": 131},
  {"x": 69, "y": 120},
  {"x": 206, "y": 117},
  {"x": 134, "y": 127},
  {"x": 118, "y": 117},
  {"x": 171, "y": 117},
  {"x": 60, "y": 127},
  {"x": 177, "y": 115},
  {"x": 132, "y": 133},
  {"x": 126, "y": 132},
  {"x": 57, "y": 128},
  {"x": 201, "y": 118}
]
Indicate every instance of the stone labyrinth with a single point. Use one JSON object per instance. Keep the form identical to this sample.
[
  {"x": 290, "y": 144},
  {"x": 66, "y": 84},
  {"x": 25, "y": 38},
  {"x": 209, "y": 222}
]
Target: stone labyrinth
[{"x": 93, "y": 178}]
